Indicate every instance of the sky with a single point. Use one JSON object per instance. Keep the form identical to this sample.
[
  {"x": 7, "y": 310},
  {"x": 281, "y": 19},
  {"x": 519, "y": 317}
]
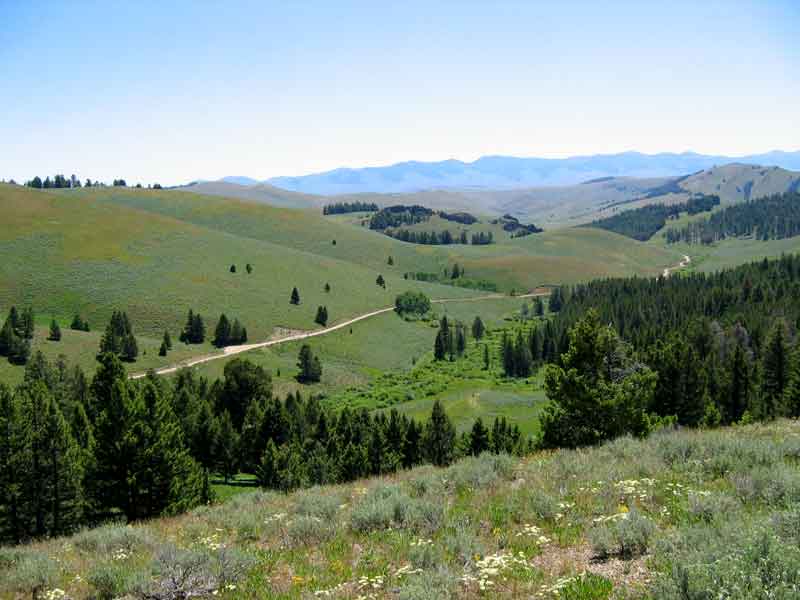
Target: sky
[{"x": 169, "y": 92}]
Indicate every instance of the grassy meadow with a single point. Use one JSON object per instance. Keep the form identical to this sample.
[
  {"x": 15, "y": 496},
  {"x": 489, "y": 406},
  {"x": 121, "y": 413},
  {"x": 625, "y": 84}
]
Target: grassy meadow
[{"x": 682, "y": 514}]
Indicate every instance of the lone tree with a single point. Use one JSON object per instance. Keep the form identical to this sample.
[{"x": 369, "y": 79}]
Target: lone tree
[
  {"x": 478, "y": 328},
  {"x": 78, "y": 324},
  {"x": 322, "y": 316},
  {"x": 295, "y": 299},
  {"x": 233, "y": 268},
  {"x": 380, "y": 281},
  {"x": 390, "y": 261},
  {"x": 55, "y": 332},
  {"x": 167, "y": 341},
  {"x": 249, "y": 268},
  {"x": 309, "y": 365},
  {"x": 327, "y": 288}
]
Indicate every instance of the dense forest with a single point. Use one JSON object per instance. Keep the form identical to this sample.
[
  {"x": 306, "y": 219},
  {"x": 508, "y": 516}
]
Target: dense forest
[
  {"x": 340, "y": 208},
  {"x": 395, "y": 216},
  {"x": 76, "y": 452},
  {"x": 711, "y": 348},
  {"x": 771, "y": 218},
  {"x": 643, "y": 223},
  {"x": 444, "y": 238}
]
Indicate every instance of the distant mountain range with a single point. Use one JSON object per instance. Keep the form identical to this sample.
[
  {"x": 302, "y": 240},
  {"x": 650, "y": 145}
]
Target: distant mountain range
[{"x": 508, "y": 172}]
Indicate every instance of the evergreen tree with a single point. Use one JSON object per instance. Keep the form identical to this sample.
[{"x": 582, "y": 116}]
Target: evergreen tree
[
  {"x": 26, "y": 324},
  {"x": 380, "y": 281},
  {"x": 233, "y": 269},
  {"x": 439, "y": 348},
  {"x": 249, "y": 268},
  {"x": 440, "y": 437},
  {"x": 538, "y": 307},
  {"x": 460, "y": 339},
  {"x": 774, "y": 371},
  {"x": 268, "y": 471},
  {"x": 327, "y": 288},
  {"x": 591, "y": 397},
  {"x": 556, "y": 300},
  {"x": 162, "y": 350},
  {"x": 478, "y": 438},
  {"x": 390, "y": 261},
  {"x": 322, "y": 316},
  {"x": 791, "y": 399},
  {"x": 739, "y": 386},
  {"x": 227, "y": 447},
  {"x": 55, "y": 332},
  {"x": 309, "y": 366},
  {"x": 478, "y": 329},
  {"x": 167, "y": 340},
  {"x": 295, "y": 299},
  {"x": 222, "y": 333}
]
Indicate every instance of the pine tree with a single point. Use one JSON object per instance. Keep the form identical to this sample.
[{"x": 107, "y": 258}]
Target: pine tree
[
  {"x": 55, "y": 332},
  {"x": 380, "y": 281},
  {"x": 237, "y": 333},
  {"x": 309, "y": 366},
  {"x": 440, "y": 437},
  {"x": 478, "y": 438},
  {"x": 390, "y": 261},
  {"x": 538, "y": 307},
  {"x": 791, "y": 398},
  {"x": 130, "y": 349},
  {"x": 249, "y": 268},
  {"x": 460, "y": 339},
  {"x": 322, "y": 316},
  {"x": 268, "y": 471},
  {"x": 327, "y": 288},
  {"x": 14, "y": 468},
  {"x": 439, "y": 348},
  {"x": 478, "y": 329},
  {"x": 7, "y": 336},
  {"x": 739, "y": 385},
  {"x": 162, "y": 350},
  {"x": 295, "y": 299},
  {"x": 233, "y": 269},
  {"x": 227, "y": 447},
  {"x": 222, "y": 333},
  {"x": 775, "y": 371},
  {"x": 167, "y": 340},
  {"x": 198, "y": 330}
]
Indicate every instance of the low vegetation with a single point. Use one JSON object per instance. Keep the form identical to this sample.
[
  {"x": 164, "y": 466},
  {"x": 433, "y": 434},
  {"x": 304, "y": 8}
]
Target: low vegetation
[{"x": 682, "y": 514}]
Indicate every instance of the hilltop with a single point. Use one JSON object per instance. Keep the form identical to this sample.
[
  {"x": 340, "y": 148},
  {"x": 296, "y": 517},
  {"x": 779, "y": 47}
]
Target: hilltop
[{"x": 681, "y": 514}]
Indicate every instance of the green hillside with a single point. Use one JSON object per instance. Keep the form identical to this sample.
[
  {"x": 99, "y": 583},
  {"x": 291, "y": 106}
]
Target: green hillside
[{"x": 683, "y": 514}]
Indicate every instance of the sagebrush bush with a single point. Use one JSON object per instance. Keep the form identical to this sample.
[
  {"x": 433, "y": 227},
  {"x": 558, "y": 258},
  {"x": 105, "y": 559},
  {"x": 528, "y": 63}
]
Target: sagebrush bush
[
  {"x": 111, "y": 579},
  {"x": 627, "y": 537},
  {"x": 304, "y": 530},
  {"x": 440, "y": 584},
  {"x": 462, "y": 543},
  {"x": 316, "y": 503},
  {"x": 29, "y": 573},
  {"x": 389, "y": 505},
  {"x": 778, "y": 484},
  {"x": 481, "y": 471},
  {"x": 109, "y": 538},
  {"x": 707, "y": 507}
]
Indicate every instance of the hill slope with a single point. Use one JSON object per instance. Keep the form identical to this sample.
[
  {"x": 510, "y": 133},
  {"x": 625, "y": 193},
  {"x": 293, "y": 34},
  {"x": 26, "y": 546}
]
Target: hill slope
[{"x": 640, "y": 517}]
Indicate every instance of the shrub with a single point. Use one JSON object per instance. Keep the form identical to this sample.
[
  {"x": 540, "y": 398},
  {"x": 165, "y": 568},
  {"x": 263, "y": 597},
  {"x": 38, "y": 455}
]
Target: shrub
[
  {"x": 480, "y": 472},
  {"x": 626, "y": 537},
  {"x": 390, "y": 505},
  {"x": 775, "y": 485},
  {"x": 314, "y": 503},
  {"x": 307, "y": 529},
  {"x": 463, "y": 543},
  {"x": 437, "y": 585},
  {"x": 109, "y": 538},
  {"x": 707, "y": 507},
  {"x": 587, "y": 586},
  {"x": 110, "y": 579},
  {"x": 29, "y": 573}
]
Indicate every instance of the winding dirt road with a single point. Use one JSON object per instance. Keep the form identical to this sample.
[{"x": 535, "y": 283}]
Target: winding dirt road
[
  {"x": 231, "y": 350},
  {"x": 685, "y": 262}
]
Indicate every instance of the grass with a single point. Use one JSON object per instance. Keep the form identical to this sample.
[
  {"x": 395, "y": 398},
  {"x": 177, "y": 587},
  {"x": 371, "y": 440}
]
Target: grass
[{"x": 683, "y": 514}]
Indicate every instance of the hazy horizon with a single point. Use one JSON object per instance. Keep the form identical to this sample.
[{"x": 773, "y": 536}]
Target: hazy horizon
[{"x": 177, "y": 92}]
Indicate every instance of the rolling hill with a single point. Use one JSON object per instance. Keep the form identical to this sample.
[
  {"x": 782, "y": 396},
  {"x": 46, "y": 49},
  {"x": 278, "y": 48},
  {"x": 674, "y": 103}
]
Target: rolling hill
[{"x": 158, "y": 253}]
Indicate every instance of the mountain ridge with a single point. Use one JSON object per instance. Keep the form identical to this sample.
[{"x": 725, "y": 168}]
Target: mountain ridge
[{"x": 499, "y": 172}]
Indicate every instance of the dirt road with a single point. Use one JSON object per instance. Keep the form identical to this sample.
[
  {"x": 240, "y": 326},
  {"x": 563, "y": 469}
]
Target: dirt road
[
  {"x": 231, "y": 350},
  {"x": 685, "y": 262}
]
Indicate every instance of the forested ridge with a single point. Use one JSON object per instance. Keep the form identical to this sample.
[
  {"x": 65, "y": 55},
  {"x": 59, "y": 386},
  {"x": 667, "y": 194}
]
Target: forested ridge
[
  {"x": 644, "y": 222},
  {"x": 771, "y": 218}
]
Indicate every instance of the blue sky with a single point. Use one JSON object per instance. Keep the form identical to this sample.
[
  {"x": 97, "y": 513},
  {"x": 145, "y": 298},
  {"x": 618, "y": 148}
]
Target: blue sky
[{"x": 172, "y": 91}]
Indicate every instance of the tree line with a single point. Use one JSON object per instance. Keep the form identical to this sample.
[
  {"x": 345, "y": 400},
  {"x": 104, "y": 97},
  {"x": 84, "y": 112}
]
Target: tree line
[
  {"x": 644, "y": 222},
  {"x": 444, "y": 238},
  {"x": 772, "y": 218},
  {"x": 340, "y": 208},
  {"x": 61, "y": 181},
  {"x": 395, "y": 216},
  {"x": 77, "y": 452}
]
